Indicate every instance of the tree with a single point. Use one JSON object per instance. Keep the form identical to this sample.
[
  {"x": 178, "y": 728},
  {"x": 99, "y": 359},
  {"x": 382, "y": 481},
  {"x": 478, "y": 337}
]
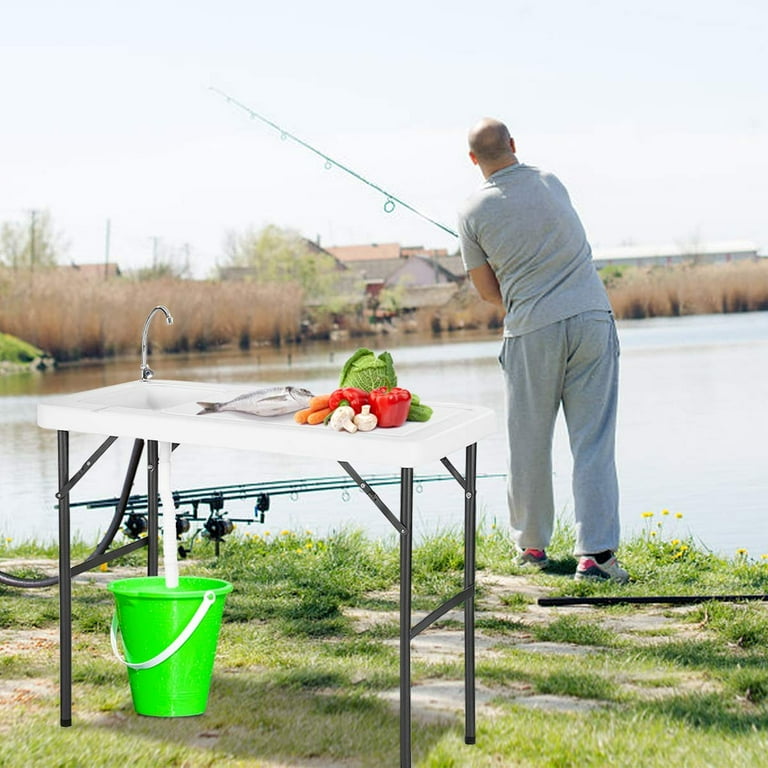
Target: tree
[
  {"x": 167, "y": 261},
  {"x": 31, "y": 244},
  {"x": 275, "y": 255}
]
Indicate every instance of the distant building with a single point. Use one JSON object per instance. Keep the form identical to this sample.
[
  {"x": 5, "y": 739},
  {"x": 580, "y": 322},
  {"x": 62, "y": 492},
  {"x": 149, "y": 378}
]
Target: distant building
[
  {"x": 425, "y": 277},
  {"x": 91, "y": 271},
  {"x": 669, "y": 255}
]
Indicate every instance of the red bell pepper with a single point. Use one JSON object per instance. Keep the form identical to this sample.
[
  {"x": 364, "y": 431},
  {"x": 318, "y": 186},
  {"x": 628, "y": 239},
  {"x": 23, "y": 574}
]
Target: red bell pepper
[
  {"x": 390, "y": 405},
  {"x": 352, "y": 396}
]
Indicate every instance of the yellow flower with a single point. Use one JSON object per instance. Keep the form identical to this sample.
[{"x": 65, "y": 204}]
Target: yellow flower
[
  {"x": 285, "y": 532},
  {"x": 653, "y": 533},
  {"x": 674, "y": 542},
  {"x": 664, "y": 511},
  {"x": 647, "y": 514},
  {"x": 678, "y": 515},
  {"x": 267, "y": 533},
  {"x": 764, "y": 557},
  {"x": 741, "y": 551}
]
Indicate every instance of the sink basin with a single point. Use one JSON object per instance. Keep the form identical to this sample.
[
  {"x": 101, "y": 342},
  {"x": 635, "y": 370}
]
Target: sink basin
[{"x": 152, "y": 395}]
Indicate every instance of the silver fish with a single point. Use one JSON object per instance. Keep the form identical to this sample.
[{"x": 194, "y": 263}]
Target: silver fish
[{"x": 272, "y": 401}]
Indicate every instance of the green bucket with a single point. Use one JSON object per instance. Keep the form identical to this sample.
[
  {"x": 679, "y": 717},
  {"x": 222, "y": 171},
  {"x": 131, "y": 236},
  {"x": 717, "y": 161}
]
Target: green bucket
[{"x": 169, "y": 636}]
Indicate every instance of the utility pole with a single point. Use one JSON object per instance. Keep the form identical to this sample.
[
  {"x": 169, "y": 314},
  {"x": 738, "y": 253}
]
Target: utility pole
[
  {"x": 106, "y": 249},
  {"x": 32, "y": 215}
]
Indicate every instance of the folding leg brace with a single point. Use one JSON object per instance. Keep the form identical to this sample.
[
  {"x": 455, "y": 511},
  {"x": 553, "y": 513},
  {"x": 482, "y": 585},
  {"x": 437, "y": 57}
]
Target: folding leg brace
[{"x": 404, "y": 526}]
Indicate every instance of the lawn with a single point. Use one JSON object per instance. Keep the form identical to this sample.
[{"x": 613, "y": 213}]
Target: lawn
[{"x": 307, "y": 666}]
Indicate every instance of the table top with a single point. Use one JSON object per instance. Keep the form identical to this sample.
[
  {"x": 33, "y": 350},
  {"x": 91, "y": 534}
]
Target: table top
[{"x": 167, "y": 410}]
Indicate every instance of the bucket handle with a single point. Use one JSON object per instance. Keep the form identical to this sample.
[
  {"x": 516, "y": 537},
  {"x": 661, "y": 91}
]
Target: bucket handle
[{"x": 209, "y": 598}]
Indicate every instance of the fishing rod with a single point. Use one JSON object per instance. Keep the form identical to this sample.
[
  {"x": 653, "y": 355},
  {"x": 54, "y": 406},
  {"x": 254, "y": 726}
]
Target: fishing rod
[{"x": 391, "y": 200}]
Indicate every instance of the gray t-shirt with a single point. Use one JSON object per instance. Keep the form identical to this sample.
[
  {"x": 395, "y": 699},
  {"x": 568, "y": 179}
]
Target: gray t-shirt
[{"x": 522, "y": 223}]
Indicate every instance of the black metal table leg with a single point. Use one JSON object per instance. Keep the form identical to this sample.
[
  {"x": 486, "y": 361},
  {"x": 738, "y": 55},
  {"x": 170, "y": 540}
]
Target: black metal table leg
[
  {"x": 406, "y": 558},
  {"x": 470, "y": 514},
  {"x": 153, "y": 526},
  {"x": 65, "y": 585}
]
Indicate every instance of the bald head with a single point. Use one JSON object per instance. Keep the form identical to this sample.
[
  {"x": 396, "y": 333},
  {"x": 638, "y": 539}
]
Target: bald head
[{"x": 490, "y": 146}]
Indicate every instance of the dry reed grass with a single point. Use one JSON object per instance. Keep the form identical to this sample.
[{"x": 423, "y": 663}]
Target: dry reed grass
[
  {"x": 690, "y": 290},
  {"x": 71, "y": 317},
  {"x": 634, "y": 292}
]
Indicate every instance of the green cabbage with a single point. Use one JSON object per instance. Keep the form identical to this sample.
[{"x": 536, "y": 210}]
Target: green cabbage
[{"x": 366, "y": 371}]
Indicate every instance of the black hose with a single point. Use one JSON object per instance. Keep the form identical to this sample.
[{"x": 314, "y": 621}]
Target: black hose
[{"x": 16, "y": 581}]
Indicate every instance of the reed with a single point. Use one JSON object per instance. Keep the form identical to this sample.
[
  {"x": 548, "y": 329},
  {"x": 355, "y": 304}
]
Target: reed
[
  {"x": 689, "y": 290},
  {"x": 634, "y": 292},
  {"x": 72, "y": 317}
]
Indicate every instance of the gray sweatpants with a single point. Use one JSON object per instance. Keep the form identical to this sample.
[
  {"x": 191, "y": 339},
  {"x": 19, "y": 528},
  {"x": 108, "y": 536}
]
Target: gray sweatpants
[{"x": 574, "y": 362}]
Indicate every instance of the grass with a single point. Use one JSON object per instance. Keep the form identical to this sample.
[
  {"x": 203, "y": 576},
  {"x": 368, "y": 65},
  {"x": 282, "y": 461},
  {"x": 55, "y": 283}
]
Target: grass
[
  {"x": 309, "y": 645},
  {"x": 13, "y": 350}
]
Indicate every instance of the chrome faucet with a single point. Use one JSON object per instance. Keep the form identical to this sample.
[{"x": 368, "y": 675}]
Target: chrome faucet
[{"x": 146, "y": 372}]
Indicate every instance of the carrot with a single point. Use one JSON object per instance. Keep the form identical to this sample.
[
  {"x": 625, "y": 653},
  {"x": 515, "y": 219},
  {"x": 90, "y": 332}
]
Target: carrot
[
  {"x": 300, "y": 417},
  {"x": 318, "y": 401},
  {"x": 317, "y": 417}
]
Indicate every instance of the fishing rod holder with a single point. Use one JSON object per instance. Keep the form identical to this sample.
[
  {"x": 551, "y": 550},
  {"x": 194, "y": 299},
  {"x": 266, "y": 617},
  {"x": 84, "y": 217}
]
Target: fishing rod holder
[{"x": 214, "y": 524}]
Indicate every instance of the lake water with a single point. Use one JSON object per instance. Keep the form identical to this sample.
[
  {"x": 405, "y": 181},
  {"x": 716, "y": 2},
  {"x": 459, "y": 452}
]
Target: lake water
[{"x": 692, "y": 433}]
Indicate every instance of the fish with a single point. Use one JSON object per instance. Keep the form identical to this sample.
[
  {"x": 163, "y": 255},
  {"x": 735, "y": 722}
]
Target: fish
[{"x": 271, "y": 401}]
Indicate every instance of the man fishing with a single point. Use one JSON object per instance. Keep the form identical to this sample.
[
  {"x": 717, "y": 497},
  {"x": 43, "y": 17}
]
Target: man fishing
[{"x": 526, "y": 251}]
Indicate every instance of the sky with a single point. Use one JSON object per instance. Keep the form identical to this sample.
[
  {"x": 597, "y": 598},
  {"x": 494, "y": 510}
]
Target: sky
[{"x": 653, "y": 114}]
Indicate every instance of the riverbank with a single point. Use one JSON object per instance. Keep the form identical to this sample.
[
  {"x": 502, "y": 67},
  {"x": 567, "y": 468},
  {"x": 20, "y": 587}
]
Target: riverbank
[
  {"x": 17, "y": 355},
  {"x": 73, "y": 319},
  {"x": 306, "y": 672}
]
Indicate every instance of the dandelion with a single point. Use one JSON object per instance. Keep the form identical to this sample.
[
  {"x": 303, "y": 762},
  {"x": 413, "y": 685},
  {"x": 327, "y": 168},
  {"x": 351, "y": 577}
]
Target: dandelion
[
  {"x": 647, "y": 514},
  {"x": 679, "y": 515},
  {"x": 285, "y": 532},
  {"x": 741, "y": 552},
  {"x": 674, "y": 542},
  {"x": 764, "y": 557},
  {"x": 664, "y": 512},
  {"x": 267, "y": 533},
  {"x": 653, "y": 533}
]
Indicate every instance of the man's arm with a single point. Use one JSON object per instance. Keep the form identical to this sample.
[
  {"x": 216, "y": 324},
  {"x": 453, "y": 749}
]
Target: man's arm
[{"x": 486, "y": 284}]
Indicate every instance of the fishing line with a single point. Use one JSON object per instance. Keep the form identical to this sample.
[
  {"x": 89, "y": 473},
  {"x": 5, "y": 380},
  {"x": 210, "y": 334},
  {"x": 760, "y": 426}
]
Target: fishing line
[{"x": 391, "y": 200}]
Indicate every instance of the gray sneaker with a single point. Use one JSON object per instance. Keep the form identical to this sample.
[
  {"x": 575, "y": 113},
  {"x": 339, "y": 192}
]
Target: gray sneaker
[
  {"x": 589, "y": 568},
  {"x": 535, "y": 557}
]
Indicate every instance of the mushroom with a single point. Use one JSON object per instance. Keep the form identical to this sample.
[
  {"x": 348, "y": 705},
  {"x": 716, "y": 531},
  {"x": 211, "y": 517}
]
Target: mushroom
[
  {"x": 341, "y": 419},
  {"x": 365, "y": 420}
]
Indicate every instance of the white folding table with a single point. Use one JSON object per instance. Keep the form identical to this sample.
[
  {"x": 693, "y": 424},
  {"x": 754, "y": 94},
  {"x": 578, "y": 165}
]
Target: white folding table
[{"x": 158, "y": 410}]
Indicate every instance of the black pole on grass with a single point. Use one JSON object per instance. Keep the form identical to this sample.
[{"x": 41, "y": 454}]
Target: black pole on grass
[{"x": 647, "y": 600}]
